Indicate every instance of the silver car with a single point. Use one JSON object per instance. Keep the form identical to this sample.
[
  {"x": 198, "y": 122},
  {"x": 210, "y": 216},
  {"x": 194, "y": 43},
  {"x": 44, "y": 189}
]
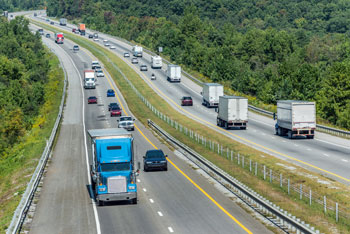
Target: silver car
[{"x": 126, "y": 122}]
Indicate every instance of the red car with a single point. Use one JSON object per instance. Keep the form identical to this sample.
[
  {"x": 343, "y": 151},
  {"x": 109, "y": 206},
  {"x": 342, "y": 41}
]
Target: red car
[
  {"x": 73, "y": 30},
  {"x": 92, "y": 100},
  {"x": 115, "y": 111},
  {"x": 186, "y": 101}
]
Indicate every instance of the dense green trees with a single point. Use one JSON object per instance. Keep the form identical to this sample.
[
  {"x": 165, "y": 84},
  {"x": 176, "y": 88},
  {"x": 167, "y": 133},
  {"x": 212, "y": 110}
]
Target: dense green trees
[
  {"x": 17, "y": 5},
  {"x": 268, "y": 49},
  {"x": 23, "y": 75}
]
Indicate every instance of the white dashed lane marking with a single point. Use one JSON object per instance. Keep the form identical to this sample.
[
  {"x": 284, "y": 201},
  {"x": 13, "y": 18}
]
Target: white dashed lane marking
[
  {"x": 160, "y": 214},
  {"x": 326, "y": 155},
  {"x": 344, "y": 160},
  {"x": 145, "y": 190},
  {"x": 151, "y": 200},
  {"x": 138, "y": 180}
]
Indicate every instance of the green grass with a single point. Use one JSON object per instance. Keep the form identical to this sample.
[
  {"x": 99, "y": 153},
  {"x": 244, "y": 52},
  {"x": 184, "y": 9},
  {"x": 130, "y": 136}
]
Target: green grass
[
  {"x": 17, "y": 168},
  {"x": 314, "y": 215}
]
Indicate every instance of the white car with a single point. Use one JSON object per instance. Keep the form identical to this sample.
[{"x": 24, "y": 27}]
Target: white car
[
  {"x": 126, "y": 55},
  {"x": 105, "y": 40},
  {"x": 112, "y": 47},
  {"x": 126, "y": 122},
  {"x": 100, "y": 74},
  {"x": 95, "y": 39},
  {"x": 107, "y": 44}
]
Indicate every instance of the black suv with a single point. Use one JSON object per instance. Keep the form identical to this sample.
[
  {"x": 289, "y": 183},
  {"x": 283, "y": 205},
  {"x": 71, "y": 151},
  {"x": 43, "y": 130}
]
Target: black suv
[{"x": 155, "y": 159}]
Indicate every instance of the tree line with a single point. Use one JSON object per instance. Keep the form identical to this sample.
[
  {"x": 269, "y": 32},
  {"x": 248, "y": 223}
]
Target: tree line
[
  {"x": 23, "y": 75},
  {"x": 268, "y": 49}
]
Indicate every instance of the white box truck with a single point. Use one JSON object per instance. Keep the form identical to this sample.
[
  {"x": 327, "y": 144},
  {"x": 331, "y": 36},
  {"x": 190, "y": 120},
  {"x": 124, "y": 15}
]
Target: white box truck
[
  {"x": 156, "y": 62},
  {"x": 296, "y": 118},
  {"x": 174, "y": 73},
  {"x": 211, "y": 93},
  {"x": 89, "y": 79},
  {"x": 63, "y": 22},
  {"x": 137, "y": 51},
  {"x": 232, "y": 112}
]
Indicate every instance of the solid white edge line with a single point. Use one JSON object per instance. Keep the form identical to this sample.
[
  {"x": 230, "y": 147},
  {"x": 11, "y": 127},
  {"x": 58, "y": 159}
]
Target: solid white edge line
[{"x": 98, "y": 226}]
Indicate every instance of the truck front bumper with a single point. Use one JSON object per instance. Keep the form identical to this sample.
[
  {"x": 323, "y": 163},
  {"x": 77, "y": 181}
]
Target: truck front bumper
[{"x": 116, "y": 196}]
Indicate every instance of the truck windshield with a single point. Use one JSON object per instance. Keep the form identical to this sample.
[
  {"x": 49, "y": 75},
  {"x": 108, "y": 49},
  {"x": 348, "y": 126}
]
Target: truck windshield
[{"x": 107, "y": 167}]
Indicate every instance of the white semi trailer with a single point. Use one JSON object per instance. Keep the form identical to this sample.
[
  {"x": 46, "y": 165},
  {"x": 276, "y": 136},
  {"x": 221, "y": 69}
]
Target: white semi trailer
[
  {"x": 296, "y": 118},
  {"x": 174, "y": 73},
  {"x": 156, "y": 62},
  {"x": 137, "y": 51},
  {"x": 89, "y": 79},
  {"x": 211, "y": 93},
  {"x": 232, "y": 112}
]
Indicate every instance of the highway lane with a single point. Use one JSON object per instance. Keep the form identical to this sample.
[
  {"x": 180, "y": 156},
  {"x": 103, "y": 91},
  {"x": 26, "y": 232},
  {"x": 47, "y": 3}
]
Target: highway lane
[
  {"x": 177, "y": 205},
  {"x": 326, "y": 154}
]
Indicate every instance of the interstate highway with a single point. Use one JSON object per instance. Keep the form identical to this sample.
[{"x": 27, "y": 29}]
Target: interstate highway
[
  {"x": 325, "y": 154},
  {"x": 167, "y": 201}
]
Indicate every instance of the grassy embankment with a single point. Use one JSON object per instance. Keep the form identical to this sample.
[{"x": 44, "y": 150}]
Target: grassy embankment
[
  {"x": 17, "y": 167},
  {"x": 314, "y": 215}
]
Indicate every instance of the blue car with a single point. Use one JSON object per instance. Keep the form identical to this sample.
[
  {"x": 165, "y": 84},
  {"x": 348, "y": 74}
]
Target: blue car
[{"x": 110, "y": 93}]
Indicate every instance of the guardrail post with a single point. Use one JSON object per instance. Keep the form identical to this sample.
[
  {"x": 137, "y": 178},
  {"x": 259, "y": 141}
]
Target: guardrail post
[
  {"x": 221, "y": 151},
  {"x": 310, "y": 197},
  {"x": 301, "y": 191},
  {"x": 281, "y": 180},
  {"x": 250, "y": 165},
  {"x": 256, "y": 168},
  {"x": 325, "y": 204},
  {"x": 227, "y": 153},
  {"x": 238, "y": 159},
  {"x": 218, "y": 149},
  {"x": 264, "y": 172},
  {"x": 243, "y": 161},
  {"x": 336, "y": 212},
  {"x": 231, "y": 156}
]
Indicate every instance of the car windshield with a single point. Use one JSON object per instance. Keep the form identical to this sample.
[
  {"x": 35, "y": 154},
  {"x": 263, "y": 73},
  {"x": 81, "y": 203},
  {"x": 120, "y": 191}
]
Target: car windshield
[
  {"x": 125, "y": 119},
  {"x": 187, "y": 98},
  {"x": 110, "y": 91},
  {"x": 155, "y": 154},
  {"x": 92, "y": 97},
  {"x": 115, "y": 108},
  {"x": 107, "y": 167}
]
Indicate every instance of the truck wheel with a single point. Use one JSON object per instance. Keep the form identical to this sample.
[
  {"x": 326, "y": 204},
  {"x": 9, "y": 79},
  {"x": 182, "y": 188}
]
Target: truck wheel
[
  {"x": 134, "y": 201},
  {"x": 243, "y": 128},
  {"x": 226, "y": 125},
  {"x": 101, "y": 203},
  {"x": 279, "y": 131},
  {"x": 310, "y": 137},
  {"x": 290, "y": 135}
]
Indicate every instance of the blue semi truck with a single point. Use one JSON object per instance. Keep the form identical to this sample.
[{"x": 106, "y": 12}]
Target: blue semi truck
[{"x": 113, "y": 173}]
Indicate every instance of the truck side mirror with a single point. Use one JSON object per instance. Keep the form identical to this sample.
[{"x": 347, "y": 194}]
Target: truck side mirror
[
  {"x": 144, "y": 156},
  {"x": 90, "y": 169},
  {"x": 201, "y": 93},
  {"x": 216, "y": 110},
  {"x": 166, "y": 156}
]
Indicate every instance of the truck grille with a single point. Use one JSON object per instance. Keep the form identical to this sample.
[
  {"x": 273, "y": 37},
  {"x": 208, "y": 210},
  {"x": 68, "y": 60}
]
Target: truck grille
[{"x": 116, "y": 184}]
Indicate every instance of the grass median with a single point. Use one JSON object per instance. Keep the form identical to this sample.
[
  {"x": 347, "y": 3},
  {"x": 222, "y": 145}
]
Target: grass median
[{"x": 311, "y": 214}]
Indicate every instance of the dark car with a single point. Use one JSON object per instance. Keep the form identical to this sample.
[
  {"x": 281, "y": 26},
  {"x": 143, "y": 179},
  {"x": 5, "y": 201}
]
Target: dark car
[
  {"x": 143, "y": 67},
  {"x": 115, "y": 111},
  {"x": 112, "y": 104},
  {"x": 52, "y": 23},
  {"x": 91, "y": 36},
  {"x": 92, "y": 100},
  {"x": 110, "y": 93},
  {"x": 186, "y": 101},
  {"x": 155, "y": 159},
  {"x": 48, "y": 35}
]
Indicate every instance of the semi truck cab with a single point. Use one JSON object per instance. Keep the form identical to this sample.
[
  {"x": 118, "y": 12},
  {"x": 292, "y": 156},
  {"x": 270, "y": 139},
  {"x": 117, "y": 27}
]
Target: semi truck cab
[{"x": 113, "y": 174}]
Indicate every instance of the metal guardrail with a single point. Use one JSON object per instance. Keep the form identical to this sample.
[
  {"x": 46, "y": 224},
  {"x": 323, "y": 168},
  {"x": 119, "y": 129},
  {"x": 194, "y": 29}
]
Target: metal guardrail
[
  {"x": 27, "y": 198},
  {"x": 283, "y": 219}
]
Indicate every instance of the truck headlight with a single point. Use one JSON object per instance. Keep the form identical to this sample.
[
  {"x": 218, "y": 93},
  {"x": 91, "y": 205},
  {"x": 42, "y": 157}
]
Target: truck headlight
[
  {"x": 131, "y": 187},
  {"x": 102, "y": 189}
]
